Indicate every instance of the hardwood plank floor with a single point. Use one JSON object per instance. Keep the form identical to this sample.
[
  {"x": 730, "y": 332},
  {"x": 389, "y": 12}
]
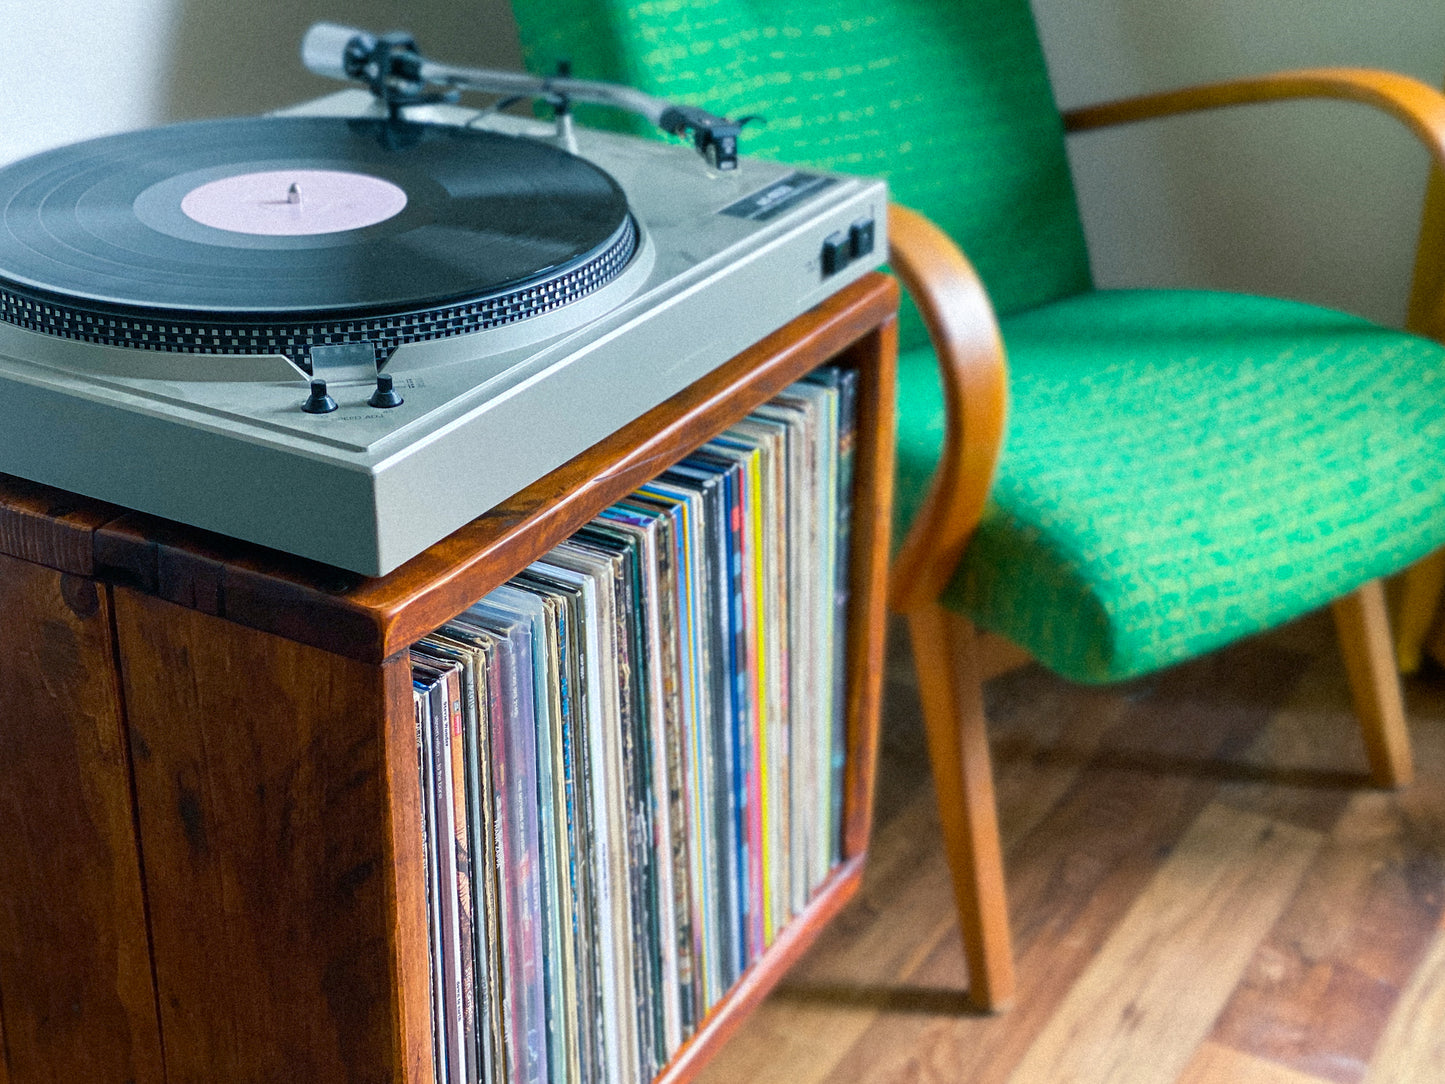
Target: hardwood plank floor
[
  {"x": 1129, "y": 1017},
  {"x": 1203, "y": 891},
  {"x": 1213, "y": 1063},
  {"x": 1413, "y": 1046}
]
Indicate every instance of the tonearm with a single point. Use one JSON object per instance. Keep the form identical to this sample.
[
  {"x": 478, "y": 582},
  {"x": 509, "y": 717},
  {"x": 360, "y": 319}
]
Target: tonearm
[{"x": 398, "y": 74}]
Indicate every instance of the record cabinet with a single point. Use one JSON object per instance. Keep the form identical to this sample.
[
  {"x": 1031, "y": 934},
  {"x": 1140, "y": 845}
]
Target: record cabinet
[{"x": 211, "y": 866}]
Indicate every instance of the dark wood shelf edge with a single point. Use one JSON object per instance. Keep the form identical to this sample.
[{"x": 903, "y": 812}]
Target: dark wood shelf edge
[
  {"x": 50, "y": 527},
  {"x": 794, "y": 940}
]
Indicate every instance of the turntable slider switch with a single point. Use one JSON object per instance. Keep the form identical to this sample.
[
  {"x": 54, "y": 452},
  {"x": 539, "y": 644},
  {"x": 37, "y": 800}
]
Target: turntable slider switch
[
  {"x": 860, "y": 238},
  {"x": 318, "y": 402},
  {"x": 840, "y": 249},
  {"x": 835, "y": 253}
]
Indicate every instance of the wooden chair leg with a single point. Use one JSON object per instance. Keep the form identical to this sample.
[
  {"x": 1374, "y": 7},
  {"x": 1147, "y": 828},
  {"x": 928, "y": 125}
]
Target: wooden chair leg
[
  {"x": 1421, "y": 588},
  {"x": 944, "y": 654},
  {"x": 1364, "y": 630}
]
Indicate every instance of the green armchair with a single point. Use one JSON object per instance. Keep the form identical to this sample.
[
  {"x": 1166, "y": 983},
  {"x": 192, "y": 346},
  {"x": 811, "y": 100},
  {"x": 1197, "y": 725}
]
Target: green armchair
[{"x": 1151, "y": 474}]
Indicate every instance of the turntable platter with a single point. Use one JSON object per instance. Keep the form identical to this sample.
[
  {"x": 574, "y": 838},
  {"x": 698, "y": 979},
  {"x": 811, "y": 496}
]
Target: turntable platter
[{"x": 270, "y": 235}]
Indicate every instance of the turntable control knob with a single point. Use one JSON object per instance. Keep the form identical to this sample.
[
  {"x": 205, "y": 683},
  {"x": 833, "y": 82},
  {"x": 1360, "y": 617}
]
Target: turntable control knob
[
  {"x": 318, "y": 402},
  {"x": 385, "y": 395}
]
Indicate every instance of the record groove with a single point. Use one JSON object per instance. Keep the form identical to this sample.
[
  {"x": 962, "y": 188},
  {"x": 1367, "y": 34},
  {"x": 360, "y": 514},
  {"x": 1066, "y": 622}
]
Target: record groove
[{"x": 198, "y": 333}]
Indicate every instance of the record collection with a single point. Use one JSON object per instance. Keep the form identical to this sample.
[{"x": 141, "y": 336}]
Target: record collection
[{"x": 632, "y": 754}]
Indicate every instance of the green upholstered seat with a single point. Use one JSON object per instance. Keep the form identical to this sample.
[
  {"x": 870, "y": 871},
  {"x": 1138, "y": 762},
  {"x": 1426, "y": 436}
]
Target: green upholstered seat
[
  {"x": 1181, "y": 468},
  {"x": 1184, "y": 468}
]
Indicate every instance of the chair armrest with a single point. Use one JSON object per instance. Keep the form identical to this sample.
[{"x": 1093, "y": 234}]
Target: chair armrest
[
  {"x": 966, "y": 338},
  {"x": 1419, "y": 106}
]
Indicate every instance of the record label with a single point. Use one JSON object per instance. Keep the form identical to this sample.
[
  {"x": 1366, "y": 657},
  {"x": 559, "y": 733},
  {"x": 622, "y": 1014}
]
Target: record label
[{"x": 294, "y": 202}]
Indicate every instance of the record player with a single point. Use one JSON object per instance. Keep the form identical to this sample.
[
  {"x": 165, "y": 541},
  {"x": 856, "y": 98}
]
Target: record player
[{"x": 346, "y": 329}]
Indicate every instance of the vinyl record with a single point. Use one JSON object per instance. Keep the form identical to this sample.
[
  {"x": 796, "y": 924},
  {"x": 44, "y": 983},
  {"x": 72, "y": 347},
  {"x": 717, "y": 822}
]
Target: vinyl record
[{"x": 273, "y": 234}]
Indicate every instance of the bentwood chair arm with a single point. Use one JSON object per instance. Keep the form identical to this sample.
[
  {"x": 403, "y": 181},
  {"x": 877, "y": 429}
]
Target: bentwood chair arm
[
  {"x": 1417, "y": 105},
  {"x": 965, "y": 335}
]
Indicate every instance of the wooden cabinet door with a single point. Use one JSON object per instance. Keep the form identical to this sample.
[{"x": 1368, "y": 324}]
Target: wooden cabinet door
[
  {"x": 76, "y": 993},
  {"x": 278, "y": 807}
]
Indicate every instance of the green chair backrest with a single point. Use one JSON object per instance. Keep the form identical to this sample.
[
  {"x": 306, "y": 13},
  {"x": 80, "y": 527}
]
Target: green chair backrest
[{"x": 948, "y": 99}]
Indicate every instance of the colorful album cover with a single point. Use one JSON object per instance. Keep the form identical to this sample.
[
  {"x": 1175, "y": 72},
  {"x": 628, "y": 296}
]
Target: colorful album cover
[
  {"x": 707, "y": 485},
  {"x": 563, "y": 611},
  {"x": 473, "y": 650},
  {"x": 845, "y": 382},
  {"x": 600, "y": 577},
  {"x": 653, "y": 813},
  {"x": 827, "y": 622},
  {"x": 595, "y": 705},
  {"x": 514, "y": 777},
  {"x": 535, "y": 625},
  {"x": 460, "y": 681},
  {"x": 476, "y": 650},
  {"x": 422, "y": 684},
  {"x": 639, "y": 805},
  {"x": 441, "y": 682},
  {"x": 694, "y": 749},
  {"x": 741, "y": 484},
  {"x": 678, "y": 923},
  {"x": 802, "y": 737},
  {"x": 762, "y": 445}
]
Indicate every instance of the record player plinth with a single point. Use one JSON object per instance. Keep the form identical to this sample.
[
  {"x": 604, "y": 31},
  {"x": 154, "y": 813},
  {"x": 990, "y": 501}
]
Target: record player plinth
[
  {"x": 168, "y": 295},
  {"x": 209, "y": 780}
]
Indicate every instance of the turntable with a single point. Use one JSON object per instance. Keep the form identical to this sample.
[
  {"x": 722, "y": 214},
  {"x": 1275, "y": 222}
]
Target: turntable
[{"x": 347, "y": 329}]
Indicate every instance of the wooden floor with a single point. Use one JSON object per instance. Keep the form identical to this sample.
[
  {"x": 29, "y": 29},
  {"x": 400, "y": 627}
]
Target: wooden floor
[{"x": 1202, "y": 891}]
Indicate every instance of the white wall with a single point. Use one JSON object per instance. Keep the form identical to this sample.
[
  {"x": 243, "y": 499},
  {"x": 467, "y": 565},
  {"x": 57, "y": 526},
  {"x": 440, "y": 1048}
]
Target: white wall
[
  {"x": 1314, "y": 200},
  {"x": 73, "y": 71},
  {"x": 79, "y": 68}
]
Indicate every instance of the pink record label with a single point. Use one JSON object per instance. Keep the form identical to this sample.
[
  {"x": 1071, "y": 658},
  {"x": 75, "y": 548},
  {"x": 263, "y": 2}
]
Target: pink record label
[{"x": 294, "y": 202}]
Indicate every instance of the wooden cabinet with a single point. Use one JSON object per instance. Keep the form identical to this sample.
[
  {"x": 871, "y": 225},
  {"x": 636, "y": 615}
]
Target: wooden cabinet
[{"x": 211, "y": 866}]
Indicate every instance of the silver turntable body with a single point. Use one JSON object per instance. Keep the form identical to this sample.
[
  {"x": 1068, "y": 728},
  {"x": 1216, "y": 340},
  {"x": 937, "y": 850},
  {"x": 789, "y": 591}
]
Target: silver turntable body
[{"x": 220, "y": 441}]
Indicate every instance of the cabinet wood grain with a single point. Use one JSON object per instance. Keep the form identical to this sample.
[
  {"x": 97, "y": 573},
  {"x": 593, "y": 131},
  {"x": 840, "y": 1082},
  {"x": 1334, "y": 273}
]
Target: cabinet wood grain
[{"x": 75, "y": 975}]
